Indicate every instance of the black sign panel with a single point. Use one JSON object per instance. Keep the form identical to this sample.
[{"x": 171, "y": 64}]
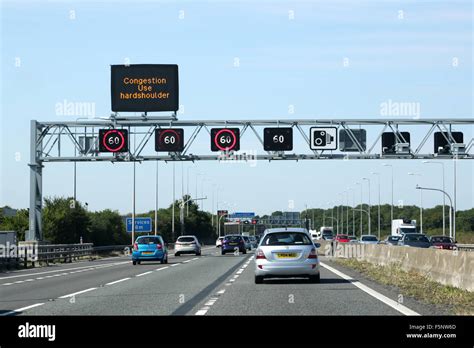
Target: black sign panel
[
  {"x": 347, "y": 144},
  {"x": 440, "y": 141},
  {"x": 169, "y": 140},
  {"x": 225, "y": 139},
  {"x": 144, "y": 87},
  {"x": 113, "y": 140},
  {"x": 278, "y": 139},
  {"x": 222, "y": 212},
  {"x": 389, "y": 140}
]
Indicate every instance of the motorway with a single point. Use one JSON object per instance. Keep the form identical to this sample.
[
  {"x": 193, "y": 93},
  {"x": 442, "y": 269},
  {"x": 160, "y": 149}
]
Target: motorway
[{"x": 210, "y": 284}]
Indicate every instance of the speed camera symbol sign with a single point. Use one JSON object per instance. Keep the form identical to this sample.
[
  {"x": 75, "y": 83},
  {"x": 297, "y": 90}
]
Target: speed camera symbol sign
[{"x": 323, "y": 138}]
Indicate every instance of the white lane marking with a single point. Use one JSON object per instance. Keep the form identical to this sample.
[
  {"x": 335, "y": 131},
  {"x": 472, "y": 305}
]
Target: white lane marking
[
  {"x": 117, "y": 281},
  {"x": 77, "y": 293},
  {"x": 159, "y": 269},
  {"x": 175, "y": 264},
  {"x": 211, "y": 302},
  {"x": 201, "y": 311},
  {"x": 19, "y": 282},
  {"x": 29, "y": 280},
  {"x": 39, "y": 278},
  {"x": 186, "y": 261},
  {"x": 240, "y": 271},
  {"x": 221, "y": 292},
  {"x": 394, "y": 304},
  {"x": 62, "y": 270},
  {"x": 196, "y": 258},
  {"x": 227, "y": 284},
  {"x": 22, "y": 309},
  {"x": 8, "y": 284},
  {"x": 232, "y": 280},
  {"x": 142, "y": 274}
]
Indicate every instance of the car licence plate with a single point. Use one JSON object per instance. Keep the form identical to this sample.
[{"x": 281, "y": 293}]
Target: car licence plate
[
  {"x": 286, "y": 255},
  {"x": 232, "y": 243},
  {"x": 147, "y": 253}
]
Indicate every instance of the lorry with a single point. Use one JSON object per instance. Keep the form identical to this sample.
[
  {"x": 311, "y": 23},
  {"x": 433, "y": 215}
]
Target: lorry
[
  {"x": 326, "y": 232},
  {"x": 403, "y": 226}
]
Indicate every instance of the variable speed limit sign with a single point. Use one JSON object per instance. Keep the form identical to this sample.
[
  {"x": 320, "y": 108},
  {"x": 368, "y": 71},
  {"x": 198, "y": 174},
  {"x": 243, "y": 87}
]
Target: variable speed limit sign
[
  {"x": 225, "y": 139},
  {"x": 169, "y": 140},
  {"x": 113, "y": 140},
  {"x": 278, "y": 139}
]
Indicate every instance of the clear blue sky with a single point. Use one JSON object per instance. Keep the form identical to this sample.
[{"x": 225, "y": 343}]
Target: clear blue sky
[{"x": 283, "y": 61}]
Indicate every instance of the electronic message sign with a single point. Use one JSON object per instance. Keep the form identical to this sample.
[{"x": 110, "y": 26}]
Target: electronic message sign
[
  {"x": 225, "y": 139},
  {"x": 144, "y": 87},
  {"x": 113, "y": 140},
  {"x": 169, "y": 140},
  {"x": 278, "y": 139}
]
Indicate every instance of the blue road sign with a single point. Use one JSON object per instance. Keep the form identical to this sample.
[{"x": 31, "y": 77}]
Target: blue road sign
[
  {"x": 141, "y": 224},
  {"x": 241, "y": 215}
]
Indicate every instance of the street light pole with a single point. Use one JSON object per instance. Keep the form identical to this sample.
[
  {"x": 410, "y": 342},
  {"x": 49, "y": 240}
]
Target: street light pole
[
  {"x": 421, "y": 203},
  {"x": 358, "y": 183},
  {"x": 444, "y": 197},
  {"x": 156, "y": 199},
  {"x": 368, "y": 180},
  {"x": 378, "y": 178},
  {"x": 391, "y": 209},
  {"x": 353, "y": 212},
  {"x": 452, "y": 232}
]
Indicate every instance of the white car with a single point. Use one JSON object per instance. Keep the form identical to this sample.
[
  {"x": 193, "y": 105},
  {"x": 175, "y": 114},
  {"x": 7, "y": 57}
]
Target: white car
[
  {"x": 286, "y": 252},
  {"x": 187, "y": 245},
  {"x": 368, "y": 239},
  {"x": 219, "y": 242}
]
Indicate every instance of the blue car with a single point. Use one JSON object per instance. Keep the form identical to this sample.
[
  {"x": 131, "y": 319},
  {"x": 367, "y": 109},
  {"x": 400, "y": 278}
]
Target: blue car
[
  {"x": 231, "y": 243},
  {"x": 149, "y": 248}
]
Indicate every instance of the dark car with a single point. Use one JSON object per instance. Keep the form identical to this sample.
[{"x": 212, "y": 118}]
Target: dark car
[
  {"x": 392, "y": 240},
  {"x": 443, "y": 242},
  {"x": 232, "y": 243},
  {"x": 417, "y": 240}
]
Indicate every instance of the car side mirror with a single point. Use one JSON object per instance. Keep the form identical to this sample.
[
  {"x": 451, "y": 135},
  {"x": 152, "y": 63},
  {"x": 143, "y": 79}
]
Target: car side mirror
[{"x": 317, "y": 245}]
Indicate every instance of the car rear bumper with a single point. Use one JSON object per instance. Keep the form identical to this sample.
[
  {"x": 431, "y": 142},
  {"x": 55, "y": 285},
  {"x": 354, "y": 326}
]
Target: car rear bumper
[
  {"x": 186, "y": 249},
  {"x": 269, "y": 269},
  {"x": 157, "y": 255}
]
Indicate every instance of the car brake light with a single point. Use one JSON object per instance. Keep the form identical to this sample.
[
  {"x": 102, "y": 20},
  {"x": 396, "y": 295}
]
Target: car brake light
[
  {"x": 135, "y": 246},
  {"x": 312, "y": 254},
  {"x": 159, "y": 247},
  {"x": 260, "y": 254}
]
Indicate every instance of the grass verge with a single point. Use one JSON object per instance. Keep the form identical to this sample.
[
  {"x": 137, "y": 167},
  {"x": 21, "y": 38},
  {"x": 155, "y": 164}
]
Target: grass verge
[{"x": 416, "y": 285}]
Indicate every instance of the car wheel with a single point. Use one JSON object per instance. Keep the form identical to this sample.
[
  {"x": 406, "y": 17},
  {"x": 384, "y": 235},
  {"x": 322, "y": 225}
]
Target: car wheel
[
  {"x": 258, "y": 279},
  {"x": 244, "y": 251},
  {"x": 315, "y": 278},
  {"x": 222, "y": 252},
  {"x": 164, "y": 259},
  {"x": 198, "y": 253},
  {"x": 139, "y": 262},
  {"x": 176, "y": 254},
  {"x": 134, "y": 262}
]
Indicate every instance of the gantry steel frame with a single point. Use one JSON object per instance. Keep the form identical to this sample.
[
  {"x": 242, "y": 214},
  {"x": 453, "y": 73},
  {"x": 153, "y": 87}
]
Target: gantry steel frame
[{"x": 47, "y": 144}]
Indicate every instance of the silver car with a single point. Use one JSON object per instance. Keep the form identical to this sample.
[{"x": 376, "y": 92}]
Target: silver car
[
  {"x": 187, "y": 245},
  {"x": 368, "y": 239},
  {"x": 286, "y": 252}
]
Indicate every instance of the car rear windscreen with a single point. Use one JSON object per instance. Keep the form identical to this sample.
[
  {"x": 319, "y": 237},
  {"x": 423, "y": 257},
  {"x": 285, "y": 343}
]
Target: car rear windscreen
[
  {"x": 148, "y": 240},
  {"x": 185, "y": 239},
  {"x": 233, "y": 238},
  {"x": 415, "y": 238},
  {"x": 369, "y": 239},
  {"x": 441, "y": 240},
  {"x": 286, "y": 238}
]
